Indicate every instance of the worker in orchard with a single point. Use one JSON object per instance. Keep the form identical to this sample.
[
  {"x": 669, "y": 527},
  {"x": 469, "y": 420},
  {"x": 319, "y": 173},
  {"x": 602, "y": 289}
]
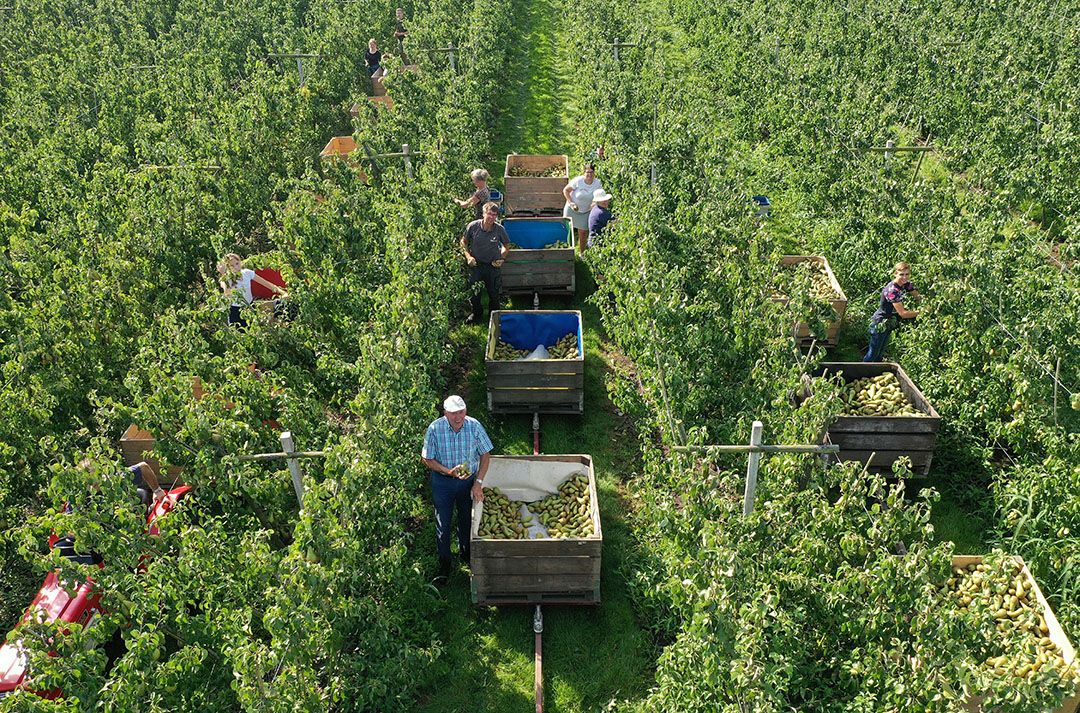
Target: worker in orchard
[
  {"x": 400, "y": 33},
  {"x": 457, "y": 452},
  {"x": 480, "y": 196},
  {"x": 895, "y": 296},
  {"x": 599, "y": 216},
  {"x": 143, "y": 478},
  {"x": 486, "y": 245},
  {"x": 235, "y": 281},
  {"x": 578, "y": 193}
]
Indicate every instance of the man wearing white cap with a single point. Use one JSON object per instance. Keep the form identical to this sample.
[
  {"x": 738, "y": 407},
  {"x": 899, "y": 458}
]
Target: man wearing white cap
[{"x": 457, "y": 451}]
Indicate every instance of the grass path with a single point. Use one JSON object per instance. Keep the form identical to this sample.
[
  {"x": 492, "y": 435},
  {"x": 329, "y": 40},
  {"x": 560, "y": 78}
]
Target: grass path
[{"x": 591, "y": 654}]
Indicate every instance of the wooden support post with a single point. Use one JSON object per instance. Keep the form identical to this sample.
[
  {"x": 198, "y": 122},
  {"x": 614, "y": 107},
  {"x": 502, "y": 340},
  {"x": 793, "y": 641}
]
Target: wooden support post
[
  {"x": 408, "y": 161},
  {"x": 616, "y": 45},
  {"x": 299, "y": 57},
  {"x": 918, "y": 164},
  {"x": 1057, "y": 383},
  {"x": 453, "y": 63},
  {"x": 752, "y": 462},
  {"x": 289, "y": 448}
]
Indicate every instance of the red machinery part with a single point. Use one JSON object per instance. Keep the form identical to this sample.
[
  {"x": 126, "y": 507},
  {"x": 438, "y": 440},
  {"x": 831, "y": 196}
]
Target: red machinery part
[
  {"x": 270, "y": 275},
  {"x": 53, "y": 603}
]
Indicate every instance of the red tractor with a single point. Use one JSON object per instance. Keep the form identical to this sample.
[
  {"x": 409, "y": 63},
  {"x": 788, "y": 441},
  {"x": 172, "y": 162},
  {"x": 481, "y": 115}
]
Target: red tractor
[{"x": 53, "y": 602}]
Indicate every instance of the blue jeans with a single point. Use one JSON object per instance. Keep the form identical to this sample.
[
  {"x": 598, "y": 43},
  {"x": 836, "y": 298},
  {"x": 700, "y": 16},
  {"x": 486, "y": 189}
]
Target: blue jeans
[
  {"x": 878, "y": 341},
  {"x": 449, "y": 493}
]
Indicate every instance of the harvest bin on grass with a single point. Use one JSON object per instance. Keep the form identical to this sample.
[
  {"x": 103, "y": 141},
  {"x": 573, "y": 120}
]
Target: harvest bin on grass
[
  {"x": 535, "y": 385},
  {"x": 839, "y": 303},
  {"x": 531, "y": 267},
  {"x": 886, "y": 438},
  {"x": 536, "y": 195},
  {"x": 1057, "y": 634},
  {"x": 539, "y": 571}
]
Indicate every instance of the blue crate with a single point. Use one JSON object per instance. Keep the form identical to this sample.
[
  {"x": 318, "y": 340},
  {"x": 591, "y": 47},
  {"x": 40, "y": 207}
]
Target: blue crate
[
  {"x": 535, "y": 234},
  {"x": 527, "y": 330}
]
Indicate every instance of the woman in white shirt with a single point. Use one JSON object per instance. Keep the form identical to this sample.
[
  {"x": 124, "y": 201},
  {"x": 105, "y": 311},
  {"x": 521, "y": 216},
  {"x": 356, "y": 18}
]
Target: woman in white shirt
[
  {"x": 236, "y": 283},
  {"x": 579, "y": 198}
]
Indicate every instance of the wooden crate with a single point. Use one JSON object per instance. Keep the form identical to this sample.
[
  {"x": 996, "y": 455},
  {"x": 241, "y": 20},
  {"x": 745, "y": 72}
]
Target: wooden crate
[
  {"x": 885, "y": 438},
  {"x": 1057, "y": 634},
  {"x": 536, "y": 386},
  {"x": 535, "y": 195},
  {"x": 839, "y": 305},
  {"x": 545, "y": 571},
  {"x": 135, "y": 446},
  {"x": 385, "y": 100},
  {"x": 338, "y": 147},
  {"x": 533, "y": 268},
  {"x": 341, "y": 148}
]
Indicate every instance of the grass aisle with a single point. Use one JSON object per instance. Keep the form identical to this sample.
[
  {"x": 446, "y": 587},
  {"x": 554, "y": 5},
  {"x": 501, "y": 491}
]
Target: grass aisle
[{"x": 591, "y": 654}]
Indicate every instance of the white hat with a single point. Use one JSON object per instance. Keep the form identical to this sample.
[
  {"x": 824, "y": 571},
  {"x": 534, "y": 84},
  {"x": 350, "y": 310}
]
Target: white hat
[
  {"x": 601, "y": 195},
  {"x": 453, "y": 403}
]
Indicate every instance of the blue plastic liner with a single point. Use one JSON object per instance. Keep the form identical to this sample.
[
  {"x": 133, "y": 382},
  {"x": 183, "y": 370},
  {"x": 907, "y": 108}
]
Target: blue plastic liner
[
  {"x": 528, "y": 331},
  {"x": 535, "y": 234}
]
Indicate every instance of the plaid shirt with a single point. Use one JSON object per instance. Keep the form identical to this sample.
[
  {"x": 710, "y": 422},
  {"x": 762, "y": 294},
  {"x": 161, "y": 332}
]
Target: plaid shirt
[{"x": 452, "y": 449}]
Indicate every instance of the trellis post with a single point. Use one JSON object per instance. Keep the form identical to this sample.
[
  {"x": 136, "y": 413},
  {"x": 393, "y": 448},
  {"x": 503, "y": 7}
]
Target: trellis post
[
  {"x": 289, "y": 448},
  {"x": 752, "y": 463}
]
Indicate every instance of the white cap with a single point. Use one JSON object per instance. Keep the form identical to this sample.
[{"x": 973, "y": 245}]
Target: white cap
[{"x": 453, "y": 403}]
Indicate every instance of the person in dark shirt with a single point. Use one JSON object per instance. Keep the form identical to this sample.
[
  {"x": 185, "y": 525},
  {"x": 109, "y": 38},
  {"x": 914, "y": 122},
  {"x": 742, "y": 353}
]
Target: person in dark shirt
[
  {"x": 890, "y": 310},
  {"x": 399, "y": 31},
  {"x": 599, "y": 216},
  {"x": 373, "y": 59},
  {"x": 485, "y": 244},
  {"x": 480, "y": 196}
]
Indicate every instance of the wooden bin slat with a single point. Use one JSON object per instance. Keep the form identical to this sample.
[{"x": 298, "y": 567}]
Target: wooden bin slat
[
  {"x": 564, "y": 381},
  {"x": 519, "y": 583},
  {"x": 543, "y": 282},
  {"x": 539, "y": 395},
  {"x": 884, "y": 424},
  {"x": 537, "y": 565},
  {"x": 516, "y": 256},
  {"x": 523, "y": 367},
  {"x": 886, "y": 441},
  {"x": 537, "y": 267}
]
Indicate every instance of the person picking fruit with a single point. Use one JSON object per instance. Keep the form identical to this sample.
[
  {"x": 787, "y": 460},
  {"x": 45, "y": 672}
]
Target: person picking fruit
[
  {"x": 891, "y": 309},
  {"x": 457, "y": 451}
]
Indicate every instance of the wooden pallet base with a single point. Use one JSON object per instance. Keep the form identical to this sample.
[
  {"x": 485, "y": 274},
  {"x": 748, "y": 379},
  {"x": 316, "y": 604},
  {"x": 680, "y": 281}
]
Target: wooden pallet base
[
  {"x": 574, "y": 409},
  {"x": 807, "y": 342},
  {"x": 586, "y": 598}
]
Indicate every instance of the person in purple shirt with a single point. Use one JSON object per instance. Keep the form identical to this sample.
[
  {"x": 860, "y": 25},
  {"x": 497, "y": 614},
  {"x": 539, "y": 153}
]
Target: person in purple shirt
[
  {"x": 600, "y": 215},
  {"x": 890, "y": 310}
]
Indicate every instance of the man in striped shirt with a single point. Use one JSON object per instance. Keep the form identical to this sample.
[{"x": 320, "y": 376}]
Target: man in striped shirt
[{"x": 456, "y": 451}]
